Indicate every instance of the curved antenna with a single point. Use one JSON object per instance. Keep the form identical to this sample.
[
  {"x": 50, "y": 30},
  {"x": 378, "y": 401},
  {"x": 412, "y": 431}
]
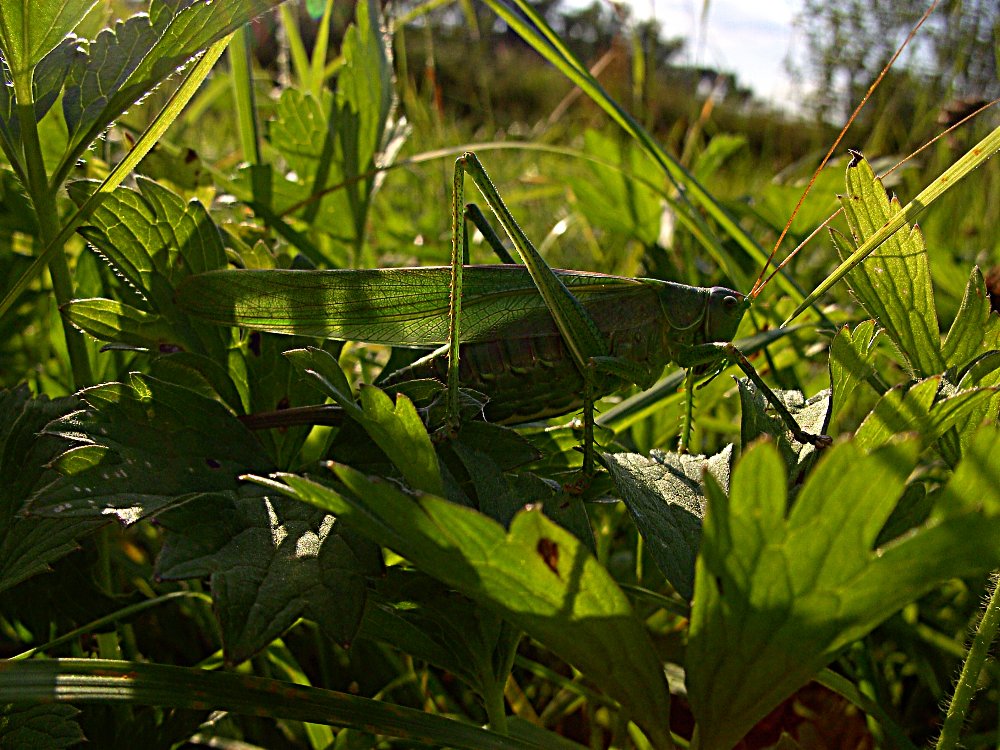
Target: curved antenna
[{"x": 758, "y": 285}]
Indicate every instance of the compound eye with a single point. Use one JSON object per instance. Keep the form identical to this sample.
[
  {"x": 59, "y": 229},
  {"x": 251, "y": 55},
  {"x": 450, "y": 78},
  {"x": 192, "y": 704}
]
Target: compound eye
[{"x": 730, "y": 301}]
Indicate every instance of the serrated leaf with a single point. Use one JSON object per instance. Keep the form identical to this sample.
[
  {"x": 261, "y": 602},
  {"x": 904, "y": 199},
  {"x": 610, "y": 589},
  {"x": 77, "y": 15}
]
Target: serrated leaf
[
  {"x": 29, "y": 545},
  {"x": 757, "y": 420},
  {"x": 664, "y": 494},
  {"x": 126, "y": 63},
  {"x": 108, "y": 320},
  {"x": 152, "y": 238},
  {"x": 270, "y": 561},
  {"x": 851, "y": 355},
  {"x": 894, "y": 283},
  {"x": 164, "y": 446},
  {"x": 338, "y": 138},
  {"x": 25, "y": 727},
  {"x": 919, "y": 409},
  {"x": 538, "y": 576},
  {"x": 975, "y": 329},
  {"x": 777, "y": 596},
  {"x": 30, "y": 29}
]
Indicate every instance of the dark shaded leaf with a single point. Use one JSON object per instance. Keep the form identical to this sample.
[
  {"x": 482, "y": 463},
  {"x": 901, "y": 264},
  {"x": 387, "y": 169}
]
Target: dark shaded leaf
[
  {"x": 538, "y": 576},
  {"x": 144, "y": 446},
  {"x": 29, "y": 545},
  {"x": 665, "y": 496},
  {"x": 270, "y": 561},
  {"x": 24, "y": 727}
]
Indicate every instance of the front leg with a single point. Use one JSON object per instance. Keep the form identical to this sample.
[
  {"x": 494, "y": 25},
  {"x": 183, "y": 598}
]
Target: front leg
[{"x": 703, "y": 354}]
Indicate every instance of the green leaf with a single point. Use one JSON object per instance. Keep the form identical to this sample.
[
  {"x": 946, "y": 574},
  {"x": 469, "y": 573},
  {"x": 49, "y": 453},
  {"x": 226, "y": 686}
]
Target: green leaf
[
  {"x": 777, "y": 595},
  {"x": 920, "y": 410},
  {"x": 395, "y": 428},
  {"x": 975, "y": 329},
  {"x": 851, "y": 355},
  {"x": 107, "y": 320},
  {"x": 158, "y": 445},
  {"x": 615, "y": 200},
  {"x": 894, "y": 283},
  {"x": 664, "y": 494},
  {"x": 335, "y": 140},
  {"x": 757, "y": 420},
  {"x": 29, "y": 545},
  {"x": 125, "y": 63},
  {"x": 152, "y": 238},
  {"x": 30, "y": 29},
  {"x": 538, "y": 576},
  {"x": 31, "y": 727},
  {"x": 270, "y": 561},
  {"x": 427, "y": 620}
]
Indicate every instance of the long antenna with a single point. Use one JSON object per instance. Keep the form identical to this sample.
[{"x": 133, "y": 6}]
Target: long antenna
[{"x": 758, "y": 285}]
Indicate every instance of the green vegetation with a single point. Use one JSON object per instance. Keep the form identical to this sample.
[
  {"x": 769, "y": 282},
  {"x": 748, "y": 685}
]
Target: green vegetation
[{"x": 170, "y": 573}]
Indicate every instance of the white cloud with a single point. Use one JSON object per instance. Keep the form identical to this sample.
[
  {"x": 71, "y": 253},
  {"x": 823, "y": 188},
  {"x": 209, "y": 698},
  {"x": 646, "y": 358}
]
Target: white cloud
[{"x": 751, "y": 39}]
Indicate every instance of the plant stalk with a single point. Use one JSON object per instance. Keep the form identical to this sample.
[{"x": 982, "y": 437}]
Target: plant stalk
[
  {"x": 43, "y": 197},
  {"x": 986, "y": 633}
]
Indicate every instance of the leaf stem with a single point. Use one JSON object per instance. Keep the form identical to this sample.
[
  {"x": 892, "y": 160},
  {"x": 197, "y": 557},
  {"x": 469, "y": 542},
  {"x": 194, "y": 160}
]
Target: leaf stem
[
  {"x": 966, "y": 687},
  {"x": 44, "y": 200}
]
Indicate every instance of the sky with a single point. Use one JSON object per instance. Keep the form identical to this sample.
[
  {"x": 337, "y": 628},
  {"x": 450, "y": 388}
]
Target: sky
[{"x": 751, "y": 38}]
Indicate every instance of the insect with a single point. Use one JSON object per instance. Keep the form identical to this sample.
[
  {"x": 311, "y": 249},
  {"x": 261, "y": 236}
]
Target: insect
[{"x": 537, "y": 342}]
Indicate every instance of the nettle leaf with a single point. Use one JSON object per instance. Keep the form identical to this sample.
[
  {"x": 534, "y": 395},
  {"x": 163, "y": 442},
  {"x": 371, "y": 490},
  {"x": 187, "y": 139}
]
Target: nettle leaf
[
  {"x": 27, "y": 727},
  {"x": 30, "y": 29},
  {"x": 270, "y": 561},
  {"x": 757, "y": 420},
  {"x": 778, "y": 593},
  {"x": 664, "y": 494},
  {"x": 144, "y": 446},
  {"x": 126, "y": 63},
  {"x": 29, "y": 545},
  {"x": 152, "y": 239},
  {"x": 108, "y": 320},
  {"x": 538, "y": 576},
  {"x": 894, "y": 283},
  {"x": 46, "y": 83}
]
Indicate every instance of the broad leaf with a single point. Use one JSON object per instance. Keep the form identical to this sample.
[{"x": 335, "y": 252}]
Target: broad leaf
[
  {"x": 125, "y": 63},
  {"x": 270, "y": 561},
  {"x": 144, "y": 446},
  {"x": 538, "y": 576},
  {"x": 778, "y": 593},
  {"x": 665, "y": 496},
  {"x": 29, "y": 545},
  {"x": 30, "y": 29},
  {"x": 30, "y": 727}
]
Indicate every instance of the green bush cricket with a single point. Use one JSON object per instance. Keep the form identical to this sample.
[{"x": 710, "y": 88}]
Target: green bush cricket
[{"x": 535, "y": 341}]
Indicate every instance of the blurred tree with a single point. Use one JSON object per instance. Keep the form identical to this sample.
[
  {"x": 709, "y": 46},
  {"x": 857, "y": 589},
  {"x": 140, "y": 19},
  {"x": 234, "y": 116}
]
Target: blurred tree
[{"x": 848, "y": 42}]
